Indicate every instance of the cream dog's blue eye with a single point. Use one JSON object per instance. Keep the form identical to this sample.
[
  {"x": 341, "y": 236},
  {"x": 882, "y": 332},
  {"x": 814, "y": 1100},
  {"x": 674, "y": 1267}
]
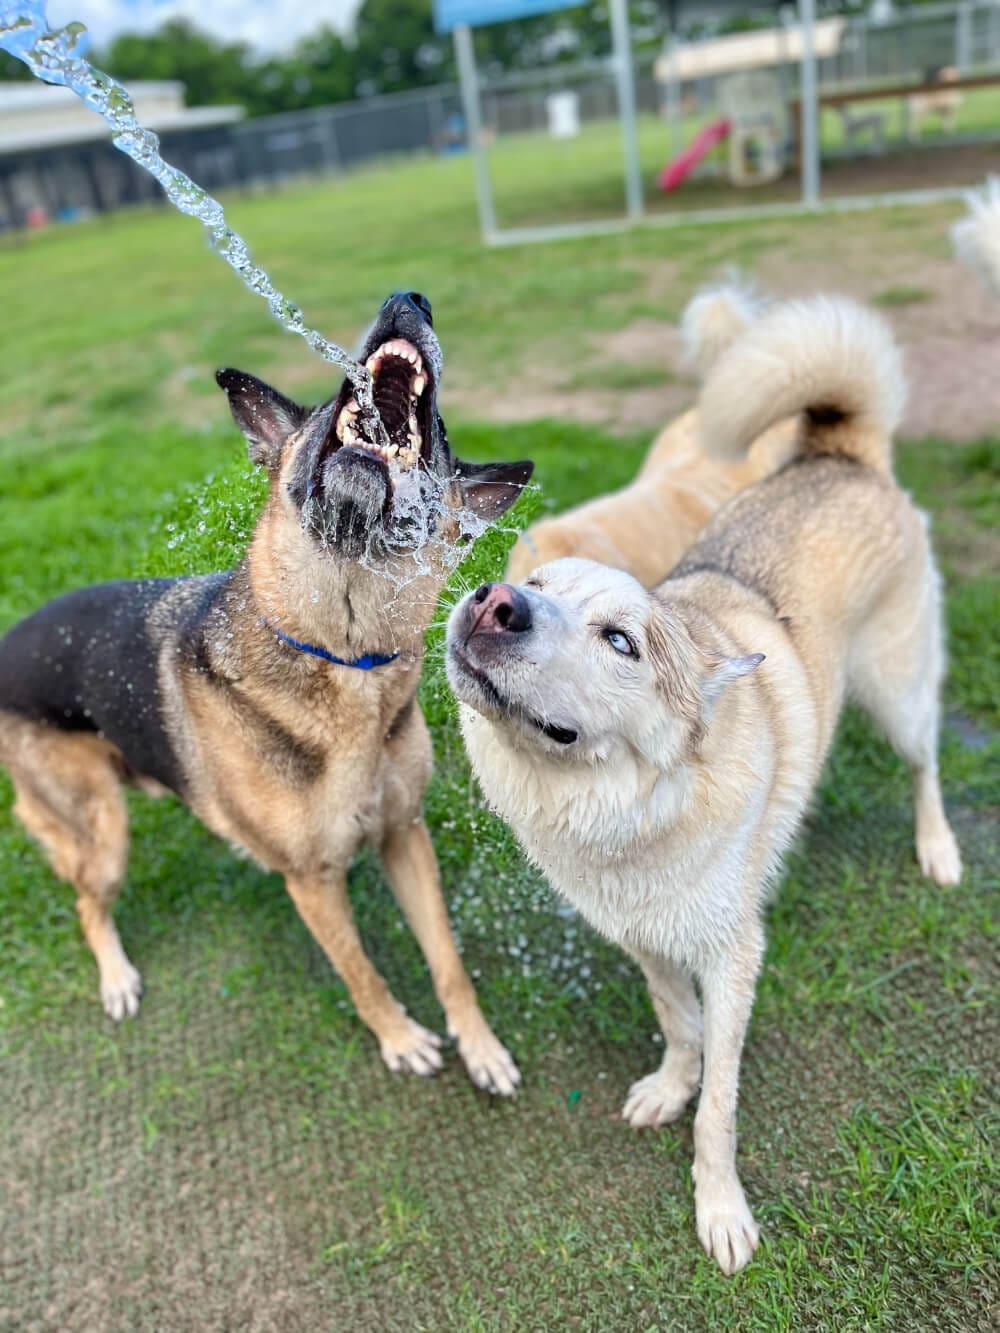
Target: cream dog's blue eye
[{"x": 620, "y": 642}]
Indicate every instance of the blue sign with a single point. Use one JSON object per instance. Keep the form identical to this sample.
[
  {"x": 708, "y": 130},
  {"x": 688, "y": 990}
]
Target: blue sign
[{"x": 450, "y": 14}]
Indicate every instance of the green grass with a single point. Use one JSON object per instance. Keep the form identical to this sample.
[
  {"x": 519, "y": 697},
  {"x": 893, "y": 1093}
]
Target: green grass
[
  {"x": 238, "y": 1157},
  {"x": 978, "y": 113},
  {"x": 901, "y": 295}
]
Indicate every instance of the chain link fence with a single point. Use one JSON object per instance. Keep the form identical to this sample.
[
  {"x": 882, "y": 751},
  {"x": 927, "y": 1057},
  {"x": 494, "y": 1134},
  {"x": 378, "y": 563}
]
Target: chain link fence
[{"x": 83, "y": 178}]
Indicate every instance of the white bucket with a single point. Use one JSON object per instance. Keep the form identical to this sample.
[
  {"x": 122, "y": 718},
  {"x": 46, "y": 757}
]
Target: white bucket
[{"x": 563, "y": 110}]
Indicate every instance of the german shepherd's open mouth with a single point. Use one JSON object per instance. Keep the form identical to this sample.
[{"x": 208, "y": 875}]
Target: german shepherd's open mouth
[
  {"x": 399, "y": 379},
  {"x": 366, "y": 485},
  {"x": 361, "y": 458}
]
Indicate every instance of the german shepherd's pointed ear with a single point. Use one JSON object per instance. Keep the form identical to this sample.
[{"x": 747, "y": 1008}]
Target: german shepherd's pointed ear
[
  {"x": 489, "y": 489},
  {"x": 265, "y": 416}
]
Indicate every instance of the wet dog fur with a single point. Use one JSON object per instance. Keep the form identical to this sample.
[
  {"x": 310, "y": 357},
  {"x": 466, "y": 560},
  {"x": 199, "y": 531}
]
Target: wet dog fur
[
  {"x": 647, "y": 526},
  {"x": 655, "y": 751},
  {"x": 184, "y": 685}
]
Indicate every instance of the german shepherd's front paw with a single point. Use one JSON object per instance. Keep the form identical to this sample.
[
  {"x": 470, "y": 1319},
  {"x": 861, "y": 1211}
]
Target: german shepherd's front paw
[
  {"x": 491, "y": 1066},
  {"x": 726, "y": 1227},
  {"x": 121, "y": 988},
  {"x": 410, "y": 1048}
]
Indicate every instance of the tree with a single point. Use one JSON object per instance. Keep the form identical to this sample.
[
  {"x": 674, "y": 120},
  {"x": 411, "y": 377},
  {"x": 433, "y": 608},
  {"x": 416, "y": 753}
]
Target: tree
[
  {"x": 12, "y": 69},
  {"x": 212, "y": 72},
  {"x": 396, "y": 47}
]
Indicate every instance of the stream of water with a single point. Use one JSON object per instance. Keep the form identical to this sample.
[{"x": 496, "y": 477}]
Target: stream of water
[{"x": 56, "y": 56}]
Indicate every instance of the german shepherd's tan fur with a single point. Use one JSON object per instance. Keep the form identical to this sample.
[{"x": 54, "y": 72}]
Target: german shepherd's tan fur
[
  {"x": 655, "y": 751},
  {"x": 294, "y": 759}
]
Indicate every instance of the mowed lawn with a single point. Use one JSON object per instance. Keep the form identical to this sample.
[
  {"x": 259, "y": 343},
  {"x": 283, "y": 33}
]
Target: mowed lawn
[{"x": 238, "y": 1158}]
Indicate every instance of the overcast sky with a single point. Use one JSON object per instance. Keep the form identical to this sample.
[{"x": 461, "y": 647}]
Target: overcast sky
[{"x": 268, "y": 25}]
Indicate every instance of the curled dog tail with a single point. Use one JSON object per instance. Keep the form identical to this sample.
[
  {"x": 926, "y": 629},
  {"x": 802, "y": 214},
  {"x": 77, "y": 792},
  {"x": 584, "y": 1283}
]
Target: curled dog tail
[
  {"x": 830, "y": 361},
  {"x": 976, "y": 237},
  {"x": 714, "y": 318}
]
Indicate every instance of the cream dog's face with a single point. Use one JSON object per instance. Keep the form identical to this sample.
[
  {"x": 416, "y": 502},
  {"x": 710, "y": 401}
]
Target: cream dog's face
[{"x": 582, "y": 661}]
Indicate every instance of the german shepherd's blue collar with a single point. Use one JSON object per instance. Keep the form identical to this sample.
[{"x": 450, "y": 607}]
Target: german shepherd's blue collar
[{"x": 199, "y": 685}]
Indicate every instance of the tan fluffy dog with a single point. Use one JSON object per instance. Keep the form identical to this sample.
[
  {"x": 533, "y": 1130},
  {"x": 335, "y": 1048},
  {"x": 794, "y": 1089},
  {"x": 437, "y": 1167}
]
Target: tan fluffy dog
[
  {"x": 648, "y": 525},
  {"x": 655, "y": 751}
]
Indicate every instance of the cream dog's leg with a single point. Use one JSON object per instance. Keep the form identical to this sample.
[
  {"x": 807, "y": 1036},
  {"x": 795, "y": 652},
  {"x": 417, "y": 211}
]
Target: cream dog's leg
[
  {"x": 661, "y": 1096},
  {"x": 725, "y": 1224}
]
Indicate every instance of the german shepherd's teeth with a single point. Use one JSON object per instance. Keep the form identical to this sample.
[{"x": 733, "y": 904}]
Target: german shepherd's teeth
[
  {"x": 419, "y": 384},
  {"x": 398, "y": 348}
]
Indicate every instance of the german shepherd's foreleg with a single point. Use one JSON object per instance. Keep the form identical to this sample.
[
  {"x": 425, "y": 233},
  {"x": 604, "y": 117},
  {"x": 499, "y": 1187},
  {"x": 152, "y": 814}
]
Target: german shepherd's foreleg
[
  {"x": 413, "y": 873},
  {"x": 726, "y": 1227},
  {"x": 324, "y": 906}
]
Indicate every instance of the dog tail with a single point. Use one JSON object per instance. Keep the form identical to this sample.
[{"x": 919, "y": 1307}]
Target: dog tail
[
  {"x": 715, "y": 317},
  {"x": 976, "y": 237},
  {"x": 826, "y": 359}
]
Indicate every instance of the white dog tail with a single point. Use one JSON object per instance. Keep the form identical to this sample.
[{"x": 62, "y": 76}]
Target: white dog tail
[
  {"x": 714, "y": 318},
  {"x": 831, "y": 361},
  {"x": 976, "y": 237}
]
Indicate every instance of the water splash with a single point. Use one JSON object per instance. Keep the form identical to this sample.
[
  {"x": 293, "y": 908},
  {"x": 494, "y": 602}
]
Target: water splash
[
  {"x": 56, "y": 56},
  {"x": 431, "y": 536}
]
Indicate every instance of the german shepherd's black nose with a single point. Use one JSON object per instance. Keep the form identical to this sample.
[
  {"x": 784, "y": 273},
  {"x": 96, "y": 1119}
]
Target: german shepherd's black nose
[
  {"x": 406, "y": 305},
  {"x": 499, "y": 608}
]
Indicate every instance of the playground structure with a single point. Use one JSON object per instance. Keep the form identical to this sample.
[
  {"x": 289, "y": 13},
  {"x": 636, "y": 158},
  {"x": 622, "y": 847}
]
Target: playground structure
[
  {"x": 744, "y": 110},
  {"x": 887, "y": 91},
  {"x": 755, "y": 122}
]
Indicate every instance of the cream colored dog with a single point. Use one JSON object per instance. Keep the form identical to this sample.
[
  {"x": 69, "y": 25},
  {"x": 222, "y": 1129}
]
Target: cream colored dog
[
  {"x": 943, "y": 101},
  {"x": 975, "y": 238},
  {"x": 648, "y": 525},
  {"x": 655, "y": 751}
]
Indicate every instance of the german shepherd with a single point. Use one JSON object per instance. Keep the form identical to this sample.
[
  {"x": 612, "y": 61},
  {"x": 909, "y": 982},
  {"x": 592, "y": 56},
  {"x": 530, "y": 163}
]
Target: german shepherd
[
  {"x": 278, "y": 699},
  {"x": 655, "y": 751}
]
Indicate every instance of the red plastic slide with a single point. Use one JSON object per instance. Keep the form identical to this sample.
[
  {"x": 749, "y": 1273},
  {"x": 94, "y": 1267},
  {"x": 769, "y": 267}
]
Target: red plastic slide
[{"x": 676, "y": 172}]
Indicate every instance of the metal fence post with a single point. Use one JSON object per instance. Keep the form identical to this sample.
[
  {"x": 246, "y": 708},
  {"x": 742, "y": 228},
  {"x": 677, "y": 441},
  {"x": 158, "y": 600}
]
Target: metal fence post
[
  {"x": 675, "y": 134},
  {"x": 621, "y": 39},
  {"x": 465, "y": 58},
  {"x": 963, "y": 37},
  {"x": 808, "y": 107}
]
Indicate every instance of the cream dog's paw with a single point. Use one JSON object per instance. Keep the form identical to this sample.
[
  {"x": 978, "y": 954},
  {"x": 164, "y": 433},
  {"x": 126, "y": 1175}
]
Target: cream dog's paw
[
  {"x": 726, "y": 1227},
  {"x": 658, "y": 1098}
]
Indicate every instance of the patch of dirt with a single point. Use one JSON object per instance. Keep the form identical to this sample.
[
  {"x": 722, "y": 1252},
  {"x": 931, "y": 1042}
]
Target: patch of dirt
[
  {"x": 950, "y": 339},
  {"x": 542, "y": 390},
  {"x": 647, "y": 342},
  {"x": 949, "y": 332}
]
